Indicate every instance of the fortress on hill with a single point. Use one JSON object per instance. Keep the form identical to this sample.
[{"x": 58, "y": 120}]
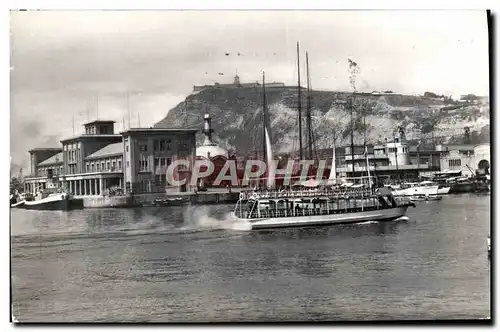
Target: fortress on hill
[{"x": 237, "y": 84}]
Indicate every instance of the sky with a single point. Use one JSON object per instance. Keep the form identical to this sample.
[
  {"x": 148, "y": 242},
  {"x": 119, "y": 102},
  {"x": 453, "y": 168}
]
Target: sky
[{"x": 68, "y": 67}]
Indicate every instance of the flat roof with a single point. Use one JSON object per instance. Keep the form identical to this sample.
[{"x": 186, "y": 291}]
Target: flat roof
[
  {"x": 159, "y": 130},
  {"x": 93, "y": 135},
  {"x": 55, "y": 159},
  {"x": 109, "y": 150},
  {"x": 44, "y": 149},
  {"x": 99, "y": 121}
]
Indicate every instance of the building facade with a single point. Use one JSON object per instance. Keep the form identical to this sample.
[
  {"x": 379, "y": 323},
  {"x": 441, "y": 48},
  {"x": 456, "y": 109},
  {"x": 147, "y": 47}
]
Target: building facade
[
  {"x": 101, "y": 161},
  {"x": 468, "y": 158}
]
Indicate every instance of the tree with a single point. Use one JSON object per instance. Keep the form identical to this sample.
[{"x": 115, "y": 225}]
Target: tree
[
  {"x": 467, "y": 136},
  {"x": 470, "y": 97}
]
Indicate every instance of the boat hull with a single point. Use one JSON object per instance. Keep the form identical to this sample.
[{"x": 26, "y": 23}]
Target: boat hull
[
  {"x": 17, "y": 204},
  {"x": 56, "y": 202},
  {"x": 427, "y": 190},
  {"x": 443, "y": 190},
  {"x": 331, "y": 219}
]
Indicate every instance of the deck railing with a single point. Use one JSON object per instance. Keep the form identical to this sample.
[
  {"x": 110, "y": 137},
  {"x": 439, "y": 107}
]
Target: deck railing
[{"x": 274, "y": 194}]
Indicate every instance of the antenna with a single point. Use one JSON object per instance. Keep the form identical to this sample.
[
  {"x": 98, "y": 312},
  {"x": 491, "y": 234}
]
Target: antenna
[
  {"x": 87, "y": 109},
  {"x": 97, "y": 105},
  {"x": 128, "y": 108}
]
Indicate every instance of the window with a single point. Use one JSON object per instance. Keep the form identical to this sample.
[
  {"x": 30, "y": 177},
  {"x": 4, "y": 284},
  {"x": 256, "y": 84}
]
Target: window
[
  {"x": 168, "y": 161},
  {"x": 162, "y": 162},
  {"x": 119, "y": 164},
  {"x": 102, "y": 166},
  {"x": 143, "y": 147},
  {"x": 93, "y": 167},
  {"x": 157, "y": 161},
  {"x": 156, "y": 145},
  {"x": 107, "y": 165},
  {"x": 87, "y": 167},
  {"x": 113, "y": 164},
  {"x": 454, "y": 162},
  {"x": 128, "y": 163},
  {"x": 157, "y": 179},
  {"x": 126, "y": 148},
  {"x": 162, "y": 145},
  {"x": 97, "y": 167},
  {"x": 392, "y": 150}
]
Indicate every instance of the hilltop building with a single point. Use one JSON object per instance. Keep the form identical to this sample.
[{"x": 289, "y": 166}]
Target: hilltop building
[{"x": 237, "y": 84}]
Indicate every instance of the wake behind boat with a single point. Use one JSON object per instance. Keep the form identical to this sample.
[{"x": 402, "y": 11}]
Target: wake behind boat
[{"x": 273, "y": 209}]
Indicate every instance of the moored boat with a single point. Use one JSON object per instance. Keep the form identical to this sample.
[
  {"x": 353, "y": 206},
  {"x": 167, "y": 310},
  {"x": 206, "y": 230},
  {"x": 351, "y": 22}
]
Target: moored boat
[
  {"x": 426, "y": 198},
  {"x": 53, "y": 201},
  {"x": 316, "y": 208},
  {"x": 412, "y": 189},
  {"x": 50, "y": 198},
  {"x": 489, "y": 245}
]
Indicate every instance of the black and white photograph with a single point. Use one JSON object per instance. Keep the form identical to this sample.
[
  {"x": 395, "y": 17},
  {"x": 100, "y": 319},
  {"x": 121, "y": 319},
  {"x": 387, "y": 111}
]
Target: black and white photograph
[{"x": 250, "y": 166}]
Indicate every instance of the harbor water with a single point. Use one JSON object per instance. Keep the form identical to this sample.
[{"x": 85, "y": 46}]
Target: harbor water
[{"x": 196, "y": 264}]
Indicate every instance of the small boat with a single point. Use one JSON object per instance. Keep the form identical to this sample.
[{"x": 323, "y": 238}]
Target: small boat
[
  {"x": 489, "y": 246},
  {"x": 425, "y": 198},
  {"x": 278, "y": 209},
  {"x": 172, "y": 201}
]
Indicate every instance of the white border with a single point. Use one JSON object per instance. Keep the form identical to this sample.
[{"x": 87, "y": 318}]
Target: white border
[{"x": 193, "y": 4}]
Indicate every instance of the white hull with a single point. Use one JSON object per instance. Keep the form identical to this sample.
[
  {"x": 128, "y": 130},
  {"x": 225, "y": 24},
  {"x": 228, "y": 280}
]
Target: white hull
[
  {"x": 444, "y": 190},
  {"x": 52, "y": 202},
  {"x": 426, "y": 190},
  {"x": 331, "y": 219}
]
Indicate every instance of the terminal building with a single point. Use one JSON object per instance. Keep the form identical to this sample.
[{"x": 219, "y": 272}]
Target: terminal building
[{"x": 98, "y": 161}]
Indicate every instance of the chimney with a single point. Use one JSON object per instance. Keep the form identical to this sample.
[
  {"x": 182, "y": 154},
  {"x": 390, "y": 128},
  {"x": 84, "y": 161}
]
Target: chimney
[{"x": 207, "y": 129}]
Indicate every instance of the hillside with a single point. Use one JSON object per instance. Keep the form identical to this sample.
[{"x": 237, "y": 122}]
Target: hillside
[{"x": 237, "y": 117}]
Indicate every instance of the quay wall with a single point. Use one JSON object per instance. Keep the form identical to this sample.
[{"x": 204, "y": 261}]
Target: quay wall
[
  {"x": 136, "y": 200},
  {"x": 104, "y": 202},
  {"x": 215, "y": 198}
]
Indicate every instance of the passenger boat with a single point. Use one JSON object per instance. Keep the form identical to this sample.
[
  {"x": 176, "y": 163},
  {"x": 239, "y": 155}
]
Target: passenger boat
[{"x": 273, "y": 209}]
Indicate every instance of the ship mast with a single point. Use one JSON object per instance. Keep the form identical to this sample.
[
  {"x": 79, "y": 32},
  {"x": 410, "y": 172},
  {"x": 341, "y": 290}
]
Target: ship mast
[
  {"x": 351, "y": 106},
  {"x": 308, "y": 113},
  {"x": 299, "y": 104},
  {"x": 264, "y": 112}
]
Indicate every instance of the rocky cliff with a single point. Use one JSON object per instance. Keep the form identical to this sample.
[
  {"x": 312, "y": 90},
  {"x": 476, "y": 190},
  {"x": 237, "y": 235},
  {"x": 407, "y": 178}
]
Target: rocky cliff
[{"x": 237, "y": 117}]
